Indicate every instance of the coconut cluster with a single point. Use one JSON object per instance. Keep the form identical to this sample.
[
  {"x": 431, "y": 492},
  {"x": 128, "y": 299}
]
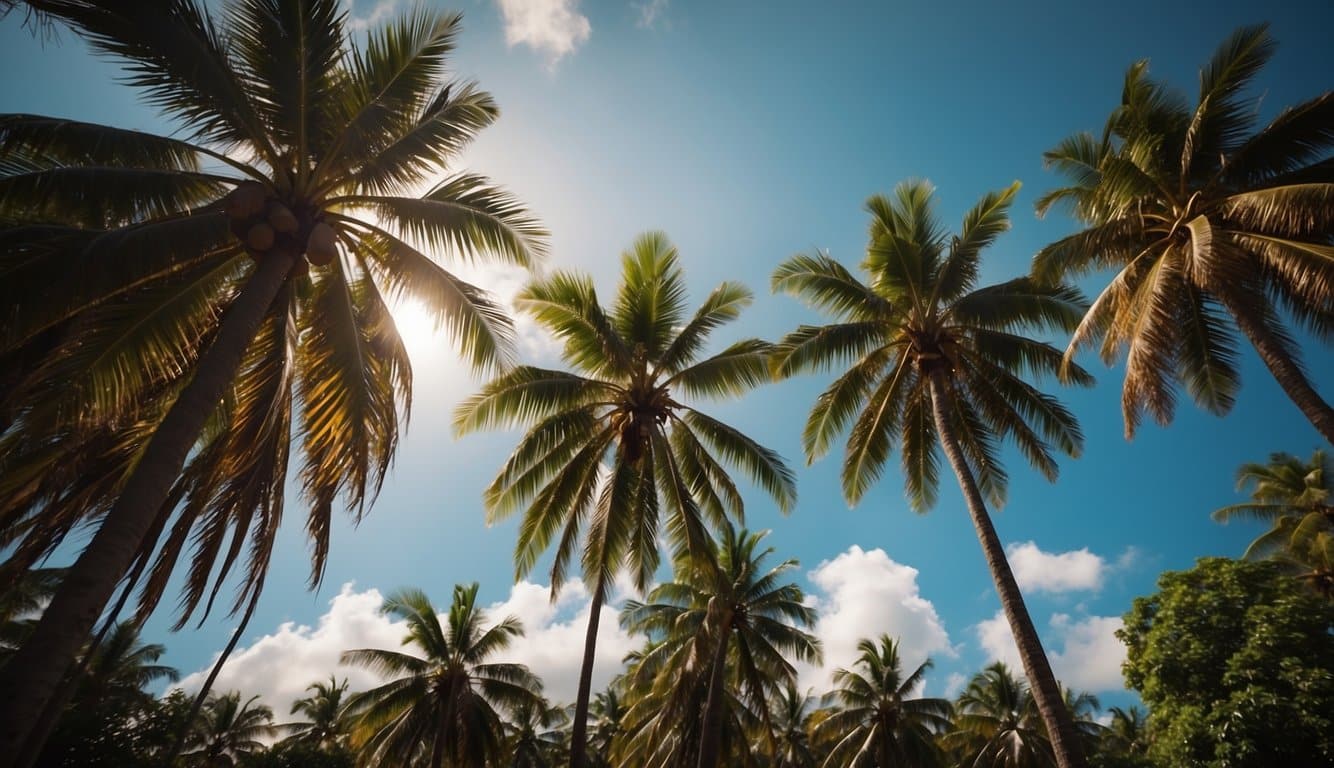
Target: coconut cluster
[{"x": 265, "y": 224}]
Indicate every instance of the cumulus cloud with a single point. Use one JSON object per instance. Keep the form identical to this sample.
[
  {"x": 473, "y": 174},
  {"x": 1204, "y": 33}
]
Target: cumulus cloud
[
  {"x": 1039, "y": 571},
  {"x": 279, "y": 665},
  {"x": 553, "y": 28},
  {"x": 1089, "y": 656},
  {"x": 862, "y": 594}
]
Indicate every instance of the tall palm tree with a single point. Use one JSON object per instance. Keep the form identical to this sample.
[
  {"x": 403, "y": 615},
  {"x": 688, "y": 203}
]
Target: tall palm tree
[
  {"x": 1294, "y": 497},
  {"x": 251, "y": 260},
  {"x": 936, "y": 362},
  {"x": 325, "y": 712},
  {"x": 439, "y": 709},
  {"x": 1204, "y": 219},
  {"x": 227, "y": 730},
  {"x": 612, "y": 452},
  {"x": 732, "y": 611},
  {"x": 996, "y": 723},
  {"x": 876, "y": 720}
]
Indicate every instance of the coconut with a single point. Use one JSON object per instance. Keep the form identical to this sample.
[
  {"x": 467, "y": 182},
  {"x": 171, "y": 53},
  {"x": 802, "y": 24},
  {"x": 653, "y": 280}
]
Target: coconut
[
  {"x": 282, "y": 219},
  {"x": 260, "y": 237},
  {"x": 322, "y": 246},
  {"x": 246, "y": 200}
]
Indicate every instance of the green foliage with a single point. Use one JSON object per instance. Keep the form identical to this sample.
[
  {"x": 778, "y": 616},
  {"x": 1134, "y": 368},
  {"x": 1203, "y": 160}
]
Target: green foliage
[{"x": 1236, "y": 663}]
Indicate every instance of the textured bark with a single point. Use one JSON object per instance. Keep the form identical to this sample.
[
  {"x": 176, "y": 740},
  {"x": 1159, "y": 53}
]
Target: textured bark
[
  {"x": 1047, "y": 694},
  {"x": 1284, "y": 369},
  {"x": 712, "y": 724},
  {"x": 579, "y": 731},
  {"x": 32, "y": 677}
]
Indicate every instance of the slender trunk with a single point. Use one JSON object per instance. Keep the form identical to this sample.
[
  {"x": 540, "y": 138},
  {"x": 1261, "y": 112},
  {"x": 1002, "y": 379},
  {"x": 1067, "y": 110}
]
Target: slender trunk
[
  {"x": 1284, "y": 369},
  {"x": 202, "y": 695},
  {"x": 1047, "y": 694},
  {"x": 712, "y": 725},
  {"x": 579, "y": 732},
  {"x": 31, "y": 678}
]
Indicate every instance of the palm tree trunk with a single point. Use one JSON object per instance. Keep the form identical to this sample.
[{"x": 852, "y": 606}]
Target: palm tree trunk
[
  {"x": 579, "y": 732},
  {"x": 32, "y": 676},
  {"x": 1047, "y": 694},
  {"x": 712, "y": 724},
  {"x": 1284, "y": 369}
]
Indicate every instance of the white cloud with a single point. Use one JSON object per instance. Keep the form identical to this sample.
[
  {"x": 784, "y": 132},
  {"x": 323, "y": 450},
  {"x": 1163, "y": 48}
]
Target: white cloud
[
  {"x": 863, "y": 594},
  {"x": 1089, "y": 658},
  {"x": 649, "y": 12},
  {"x": 551, "y": 27},
  {"x": 365, "y": 19},
  {"x": 279, "y": 665},
  {"x": 1038, "y": 571}
]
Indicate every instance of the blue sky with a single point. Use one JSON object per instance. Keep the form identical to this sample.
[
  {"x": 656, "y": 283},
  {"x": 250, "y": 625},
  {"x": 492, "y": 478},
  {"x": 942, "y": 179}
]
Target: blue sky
[{"x": 750, "y": 132}]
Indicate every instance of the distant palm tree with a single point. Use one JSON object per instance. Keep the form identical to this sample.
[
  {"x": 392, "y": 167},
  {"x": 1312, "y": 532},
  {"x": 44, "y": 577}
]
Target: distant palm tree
[
  {"x": 606, "y": 711},
  {"x": 875, "y": 719},
  {"x": 791, "y": 714},
  {"x": 21, "y": 602},
  {"x": 936, "y": 362},
  {"x": 997, "y": 725},
  {"x": 1205, "y": 219},
  {"x": 1297, "y": 499},
  {"x": 123, "y": 667},
  {"x": 733, "y": 611},
  {"x": 612, "y": 452},
  {"x": 439, "y": 709},
  {"x": 1127, "y": 733},
  {"x": 228, "y": 730},
  {"x": 534, "y": 736},
  {"x": 325, "y": 711},
  {"x": 255, "y": 252}
]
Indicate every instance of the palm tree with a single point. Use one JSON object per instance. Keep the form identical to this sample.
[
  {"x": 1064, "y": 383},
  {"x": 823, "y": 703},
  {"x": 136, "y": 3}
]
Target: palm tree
[
  {"x": 439, "y": 707},
  {"x": 876, "y": 720},
  {"x": 996, "y": 723},
  {"x": 1127, "y": 735},
  {"x": 325, "y": 711},
  {"x": 533, "y": 735},
  {"x": 607, "y": 711},
  {"x": 227, "y": 730},
  {"x": 20, "y": 602},
  {"x": 1204, "y": 218},
  {"x": 252, "y": 257},
  {"x": 731, "y": 611},
  {"x": 1294, "y": 497},
  {"x": 610, "y": 449},
  {"x": 792, "y": 714},
  {"x": 122, "y": 667},
  {"x": 935, "y": 362}
]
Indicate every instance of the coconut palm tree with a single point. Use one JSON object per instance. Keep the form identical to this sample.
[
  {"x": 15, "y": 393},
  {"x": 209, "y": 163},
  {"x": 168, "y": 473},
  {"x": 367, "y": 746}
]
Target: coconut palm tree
[
  {"x": 936, "y": 362},
  {"x": 533, "y": 735},
  {"x": 1204, "y": 219},
  {"x": 325, "y": 712},
  {"x": 439, "y": 709},
  {"x": 122, "y": 667},
  {"x": 1294, "y": 497},
  {"x": 876, "y": 720},
  {"x": 613, "y": 452},
  {"x": 227, "y": 730},
  {"x": 732, "y": 611},
  {"x": 997, "y": 725},
  {"x": 792, "y": 714},
  {"x": 607, "y": 711},
  {"x": 253, "y": 254}
]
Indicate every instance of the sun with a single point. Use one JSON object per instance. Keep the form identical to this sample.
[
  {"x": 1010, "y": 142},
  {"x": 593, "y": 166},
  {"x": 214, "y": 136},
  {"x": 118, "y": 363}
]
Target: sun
[{"x": 417, "y": 329}]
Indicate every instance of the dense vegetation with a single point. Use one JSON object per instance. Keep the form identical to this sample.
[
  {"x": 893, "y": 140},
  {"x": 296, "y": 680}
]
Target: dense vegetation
[{"x": 183, "y": 312}]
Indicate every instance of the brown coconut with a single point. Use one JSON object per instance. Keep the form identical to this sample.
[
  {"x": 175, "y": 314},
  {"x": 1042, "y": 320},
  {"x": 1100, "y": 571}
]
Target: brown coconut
[
  {"x": 322, "y": 247},
  {"x": 260, "y": 237},
  {"x": 282, "y": 219},
  {"x": 246, "y": 200}
]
